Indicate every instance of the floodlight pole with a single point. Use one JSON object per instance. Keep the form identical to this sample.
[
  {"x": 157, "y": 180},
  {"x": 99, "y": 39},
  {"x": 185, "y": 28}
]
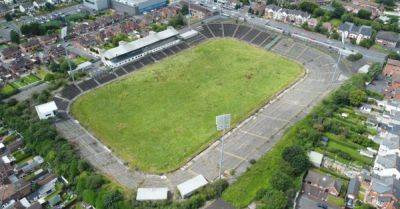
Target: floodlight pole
[
  {"x": 222, "y": 154},
  {"x": 64, "y": 37},
  {"x": 190, "y": 15}
]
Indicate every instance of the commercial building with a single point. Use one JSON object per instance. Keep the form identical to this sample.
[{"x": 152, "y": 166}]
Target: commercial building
[
  {"x": 137, "y": 49},
  {"x": 136, "y": 7},
  {"x": 96, "y": 4}
]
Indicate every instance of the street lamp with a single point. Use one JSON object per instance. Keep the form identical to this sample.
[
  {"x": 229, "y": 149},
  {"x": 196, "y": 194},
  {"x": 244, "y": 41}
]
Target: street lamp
[
  {"x": 63, "y": 38},
  {"x": 223, "y": 123}
]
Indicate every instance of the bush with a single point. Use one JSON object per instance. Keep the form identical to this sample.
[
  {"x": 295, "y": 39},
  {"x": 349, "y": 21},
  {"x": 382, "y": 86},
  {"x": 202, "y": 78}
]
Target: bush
[
  {"x": 354, "y": 57},
  {"x": 281, "y": 181}
]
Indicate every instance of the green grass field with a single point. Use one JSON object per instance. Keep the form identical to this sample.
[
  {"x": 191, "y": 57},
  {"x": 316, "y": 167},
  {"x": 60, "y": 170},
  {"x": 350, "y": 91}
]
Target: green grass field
[
  {"x": 161, "y": 116},
  {"x": 24, "y": 81}
]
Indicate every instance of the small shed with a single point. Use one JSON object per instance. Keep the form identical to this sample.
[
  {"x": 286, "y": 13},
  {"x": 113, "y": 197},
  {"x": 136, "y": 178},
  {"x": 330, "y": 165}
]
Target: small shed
[
  {"x": 324, "y": 140},
  {"x": 145, "y": 194},
  {"x": 364, "y": 69},
  {"x": 190, "y": 186},
  {"x": 315, "y": 158},
  {"x": 46, "y": 110}
]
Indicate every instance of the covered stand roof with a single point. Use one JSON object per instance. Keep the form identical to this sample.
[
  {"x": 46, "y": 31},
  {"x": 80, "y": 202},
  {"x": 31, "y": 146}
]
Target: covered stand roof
[
  {"x": 188, "y": 187},
  {"x": 144, "y": 194}
]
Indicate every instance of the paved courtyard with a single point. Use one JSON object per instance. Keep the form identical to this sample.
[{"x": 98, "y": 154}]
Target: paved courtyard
[{"x": 250, "y": 140}]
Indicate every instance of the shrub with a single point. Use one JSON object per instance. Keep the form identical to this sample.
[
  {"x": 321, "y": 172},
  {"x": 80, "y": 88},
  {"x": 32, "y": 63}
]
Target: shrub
[{"x": 354, "y": 57}]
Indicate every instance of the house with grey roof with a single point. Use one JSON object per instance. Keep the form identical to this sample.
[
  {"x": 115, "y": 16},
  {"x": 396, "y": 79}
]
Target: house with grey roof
[
  {"x": 390, "y": 145},
  {"x": 296, "y": 17},
  {"x": 384, "y": 192},
  {"x": 323, "y": 182},
  {"x": 359, "y": 33},
  {"x": 387, "y": 166},
  {"x": 387, "y": 38}
]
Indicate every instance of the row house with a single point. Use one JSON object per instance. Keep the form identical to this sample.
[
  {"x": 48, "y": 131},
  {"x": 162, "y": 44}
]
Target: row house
[
  {"x": 197, "y": 11},
  {"x": 387, "y": 166},
  {"x": 384, "y": 192},
  {"x": 21, "y": 66},
  {"x": 30, "y": 46},
  {"x": 129, "y": 26},
  {"x": 10, "y": 53},
  {"x": 55, "y": 52},
  {"x": 5, "y": 74},
  {"x": 323, "y": 183},
  {"x": 352, "y": 31},
  {"x": 387, "y": 38},
  {"x": 258, "y": 7},
  {"x": 48, "y": 39},
  {"x": 296, "y": 17}
]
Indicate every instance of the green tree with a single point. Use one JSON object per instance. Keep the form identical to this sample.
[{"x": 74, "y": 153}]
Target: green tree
[
  {"x": 308, "y": 6},
  {"x": 364, "y": 14},
  {"x": 290, "y": 152},
  {"x": 366, "y": 43},
  {"x": 357, "y": 97},
  {"x": 318, "y": 12},
  {"x": 280, "y": 181},
  {"x": 8, "y": 17},
  {"x": 14, "y": 36},
  {"x": 300, "y": 163},
  {"x": 274, "y": 200},
  {"x": 339, "y": 10},
  {"x": 185, "y": 9}
]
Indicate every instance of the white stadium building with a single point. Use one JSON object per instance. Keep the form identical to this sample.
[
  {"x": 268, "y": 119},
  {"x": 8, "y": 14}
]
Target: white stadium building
[{"x": 137, "y": 49}]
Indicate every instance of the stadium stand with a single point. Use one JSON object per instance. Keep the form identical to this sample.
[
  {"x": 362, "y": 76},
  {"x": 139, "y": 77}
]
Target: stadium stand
[
  {"x": 216, "y": 29},
  {"x": 61, "y": 103},
  {"x": 241, "y": 31},
  {"x": 137, "y": 65},
  {"x": 105, "y": 77},
  {"x": 88, "y": 84},
  {"x": 140, "y": 48},
  {"x": 195, "y": 40},
  {"x": 175, "y": 49},
  {"x": 70, "y": 91},
  {"x": 120, "y": 71},
  {"x": 182, "y": 46},
  {"x": 229, "y": 29},
  {"x": 158, "y": 55},
  {"x": 250, "y": 35},
  {"x": 260, "y": 38},
  {"x": 168, "y": 52},
  {"x": 205, "y": 31},
  {"x": 146, "y": 60},
  {"x": 129, "y": 67}
]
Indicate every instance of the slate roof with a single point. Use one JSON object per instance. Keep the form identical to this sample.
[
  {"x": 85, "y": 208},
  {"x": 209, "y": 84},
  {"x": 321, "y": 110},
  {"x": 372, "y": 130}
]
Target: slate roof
[
  {"x": 323, "y": 181},
  {"x": 354, "y": 187},
  {"x": 391, "y": 142},
  {"x": 366, "y": 30},
  {"x": 388, "y": 36},
  {"x": 389, "y": 161},
  {"x": 386, "y": 185},
  {"x": 346, "y": 26}
]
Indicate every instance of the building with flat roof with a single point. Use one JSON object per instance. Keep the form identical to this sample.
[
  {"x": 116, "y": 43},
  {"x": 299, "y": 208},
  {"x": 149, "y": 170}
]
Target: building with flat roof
[
  {"x": 46, "y": 110},
  {"x": 96, "y": 4},
  {"x": 146, "y": 194},
  {"x": 136, "y": 7},
  {"x": 132, "y": 51}
]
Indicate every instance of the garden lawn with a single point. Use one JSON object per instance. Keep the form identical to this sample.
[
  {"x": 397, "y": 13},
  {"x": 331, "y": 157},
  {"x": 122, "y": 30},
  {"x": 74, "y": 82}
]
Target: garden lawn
[
  {"x": 24, "y": 81},
  {"x": 161, "y": 116},
  {"x": 7, "y": 90}
]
